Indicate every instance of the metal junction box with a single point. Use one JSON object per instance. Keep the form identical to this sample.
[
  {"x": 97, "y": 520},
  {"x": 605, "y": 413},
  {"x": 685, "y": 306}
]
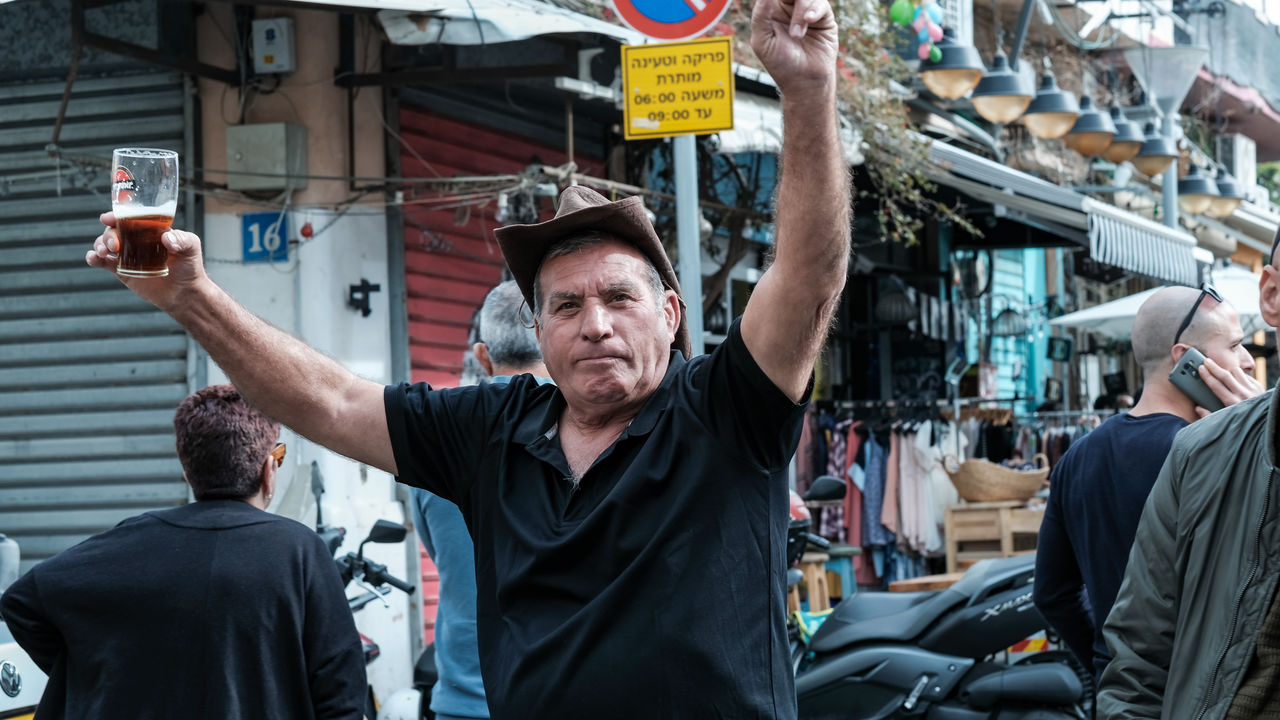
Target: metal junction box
[
  {"x": 276, "y": 152},
  {"x": 273, "y": 46}
]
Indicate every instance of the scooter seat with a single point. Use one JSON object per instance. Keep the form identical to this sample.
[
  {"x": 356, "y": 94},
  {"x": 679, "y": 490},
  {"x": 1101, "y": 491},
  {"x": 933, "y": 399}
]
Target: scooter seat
[{"x": 890, "y": 617}]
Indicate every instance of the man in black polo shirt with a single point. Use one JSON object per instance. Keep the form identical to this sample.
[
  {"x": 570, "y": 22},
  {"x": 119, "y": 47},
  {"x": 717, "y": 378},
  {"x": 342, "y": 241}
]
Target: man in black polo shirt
[{"x": 629, "y": 522}]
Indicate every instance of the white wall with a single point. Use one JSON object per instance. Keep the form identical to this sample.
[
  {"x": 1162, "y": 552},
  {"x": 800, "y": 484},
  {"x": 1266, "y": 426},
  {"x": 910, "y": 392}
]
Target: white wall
[{"x": 306, "y": 297}]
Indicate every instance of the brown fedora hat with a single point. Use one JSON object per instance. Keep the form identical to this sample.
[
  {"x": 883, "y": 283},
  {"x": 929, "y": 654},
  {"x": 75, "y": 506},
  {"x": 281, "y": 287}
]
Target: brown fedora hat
[{"x": 585, "y": 210}]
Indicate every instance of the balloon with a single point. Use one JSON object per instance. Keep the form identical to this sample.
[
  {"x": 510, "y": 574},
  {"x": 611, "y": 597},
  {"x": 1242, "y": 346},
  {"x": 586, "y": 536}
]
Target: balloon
[
  {"x": 934, "y": 53},
  {"x": 935, "y": 13},
  {"x": 935, "y": 32},
  {"x": 925, "y": 53},
  {"x": 918, "y": 25},
  {"x": 901, "y": 11},
  {"x": 923, "y": 36}
]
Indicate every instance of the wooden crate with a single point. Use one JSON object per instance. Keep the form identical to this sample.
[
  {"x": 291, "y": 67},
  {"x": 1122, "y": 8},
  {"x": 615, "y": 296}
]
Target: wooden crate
[{"x": 977, "y": 531}]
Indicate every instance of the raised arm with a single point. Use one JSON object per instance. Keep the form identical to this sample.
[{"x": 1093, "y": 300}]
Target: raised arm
[
  {"x": 286, "y": 379},
  {"x": 790, "y": 311}
]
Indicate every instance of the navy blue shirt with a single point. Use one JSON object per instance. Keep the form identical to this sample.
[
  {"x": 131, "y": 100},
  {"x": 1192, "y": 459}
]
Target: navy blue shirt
[
  {"x": 1097, "y": 492},
  {"x": 655, "y": 588}
]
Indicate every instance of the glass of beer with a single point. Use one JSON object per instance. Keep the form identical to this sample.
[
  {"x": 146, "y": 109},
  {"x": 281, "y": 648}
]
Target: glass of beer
[{"x": 144, "y": 197}]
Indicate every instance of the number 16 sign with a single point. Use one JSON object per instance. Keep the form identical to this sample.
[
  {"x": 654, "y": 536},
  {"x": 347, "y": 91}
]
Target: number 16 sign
[{"x": 264, "y": 237}]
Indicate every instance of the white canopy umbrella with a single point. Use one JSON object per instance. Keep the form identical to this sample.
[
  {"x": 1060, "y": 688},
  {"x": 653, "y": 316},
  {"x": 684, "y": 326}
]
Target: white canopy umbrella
[{"x": 1115, "y": 319}]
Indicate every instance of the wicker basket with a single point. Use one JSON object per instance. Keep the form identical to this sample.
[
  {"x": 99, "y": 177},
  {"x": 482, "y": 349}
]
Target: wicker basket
[{"x": 985, "y": 481}]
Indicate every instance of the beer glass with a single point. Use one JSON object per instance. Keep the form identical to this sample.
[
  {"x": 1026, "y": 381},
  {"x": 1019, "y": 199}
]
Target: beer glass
[{"x": 144, "y": 197}]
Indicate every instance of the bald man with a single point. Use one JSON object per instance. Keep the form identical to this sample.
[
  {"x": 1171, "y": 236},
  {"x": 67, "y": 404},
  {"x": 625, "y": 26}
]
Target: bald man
[{"x": 1098, "y": 488}]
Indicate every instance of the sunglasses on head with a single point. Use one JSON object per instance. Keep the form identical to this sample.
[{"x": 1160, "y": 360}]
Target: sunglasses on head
[
  {"x": 1206, "y": 290},
  {"x": 278, "y": 454}
]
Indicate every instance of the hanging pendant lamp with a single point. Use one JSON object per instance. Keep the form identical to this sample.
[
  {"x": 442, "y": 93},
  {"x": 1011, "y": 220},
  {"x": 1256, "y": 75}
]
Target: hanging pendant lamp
[
  {"x": 1002, "y": 95},
  {"x": 1092, "y": 131},
  {"x": 1053, "y": 111},
  {"x": 1127, "y": 141},
  {"x": 1157, "y": 153},
  {"x": 1229, "y": 199},
  {"x": 957, "y": 71},
  {"x": 1196, "y": 192}
]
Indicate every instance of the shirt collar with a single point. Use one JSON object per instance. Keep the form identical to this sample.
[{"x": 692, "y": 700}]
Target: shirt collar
[{"x": 537, "y": 423}]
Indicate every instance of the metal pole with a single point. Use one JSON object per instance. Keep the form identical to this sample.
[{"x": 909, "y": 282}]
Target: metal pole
[
  {"x": 687, "y": 234},
  {"x": 1169, "y": 186},
  {"x": 1020, "y": 35}
]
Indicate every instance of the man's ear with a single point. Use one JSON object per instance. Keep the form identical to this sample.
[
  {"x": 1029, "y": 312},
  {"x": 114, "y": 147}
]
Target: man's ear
[
  {"x": 482, "y": 354},
  {"x": 269, "y": 471},
  {"x": 1269, "y": 295},
  {"x": 672, "y": 311},
  {"x": 1177, "y": 351}
]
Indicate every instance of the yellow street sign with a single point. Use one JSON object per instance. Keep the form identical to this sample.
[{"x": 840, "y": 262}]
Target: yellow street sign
[{"x": 678, "y": 88}]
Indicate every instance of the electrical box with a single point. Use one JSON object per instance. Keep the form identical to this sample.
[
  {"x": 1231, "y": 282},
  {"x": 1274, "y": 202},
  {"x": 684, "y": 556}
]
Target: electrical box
[
  {"x": 266, "y": 156},
  {"x": 273, "y": 46}
]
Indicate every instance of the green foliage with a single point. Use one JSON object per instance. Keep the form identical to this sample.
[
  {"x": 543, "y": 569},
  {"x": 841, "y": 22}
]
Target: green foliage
[{"x": 1269, "y": 178}]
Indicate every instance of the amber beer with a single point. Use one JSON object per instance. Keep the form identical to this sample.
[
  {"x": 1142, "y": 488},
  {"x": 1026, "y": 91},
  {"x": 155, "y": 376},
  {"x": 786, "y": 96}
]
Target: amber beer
[
  {"x": 142, "y": 253},
  {"x": 144, "y": 197}
]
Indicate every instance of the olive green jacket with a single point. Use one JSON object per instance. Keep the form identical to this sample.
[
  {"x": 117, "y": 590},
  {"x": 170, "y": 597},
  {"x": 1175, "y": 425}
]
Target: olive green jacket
[{"x": 1202, "y": 571}]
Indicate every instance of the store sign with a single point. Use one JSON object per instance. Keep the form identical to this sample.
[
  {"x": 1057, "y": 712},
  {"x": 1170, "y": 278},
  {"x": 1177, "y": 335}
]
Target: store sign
[
  {"x": 683, "y": 88},
  {"x": 670, "y": 19}
]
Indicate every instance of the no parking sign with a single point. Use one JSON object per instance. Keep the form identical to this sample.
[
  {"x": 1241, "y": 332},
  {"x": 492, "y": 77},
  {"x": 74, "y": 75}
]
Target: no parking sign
[{"x": 671, "y": 19}]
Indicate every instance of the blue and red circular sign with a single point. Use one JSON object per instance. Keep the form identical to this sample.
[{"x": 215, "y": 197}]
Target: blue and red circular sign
[{"x": 671, "y": 19}]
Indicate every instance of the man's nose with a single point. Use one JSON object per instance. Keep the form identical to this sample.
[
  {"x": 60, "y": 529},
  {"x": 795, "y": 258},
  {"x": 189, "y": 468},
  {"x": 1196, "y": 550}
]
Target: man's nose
[
  {"x": 596, "y": 322},
  {"x": 1246, "y": 360}
]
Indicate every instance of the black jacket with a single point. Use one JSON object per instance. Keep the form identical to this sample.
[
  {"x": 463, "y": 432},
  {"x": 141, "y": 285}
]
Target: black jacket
[{"x": 210, "y": 610}]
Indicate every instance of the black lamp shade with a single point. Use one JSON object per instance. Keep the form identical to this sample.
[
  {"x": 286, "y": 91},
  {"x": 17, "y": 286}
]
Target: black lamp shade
[
  {"x": 1196, "y": 192},
  {"x": 1093, "y": 130},
  {"x": 1157, "y": 153},
  {"x": 1053, "y": 111},
  {"x": 1127, "y": 141},
  {"x": 957, "y": 71},
  {"x": 1002, "y": 95},
  {"x": 1229, "y": 199}
]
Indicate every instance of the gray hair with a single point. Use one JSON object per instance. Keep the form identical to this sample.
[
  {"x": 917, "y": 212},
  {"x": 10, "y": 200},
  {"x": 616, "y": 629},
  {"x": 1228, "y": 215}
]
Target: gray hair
[
  {"x": 506, "y": 330},
  {"x": 577, "y": 244}
]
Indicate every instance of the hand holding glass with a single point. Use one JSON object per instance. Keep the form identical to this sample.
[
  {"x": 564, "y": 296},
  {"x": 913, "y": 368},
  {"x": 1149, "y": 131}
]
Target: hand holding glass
[{"x": 144, "y": 197}]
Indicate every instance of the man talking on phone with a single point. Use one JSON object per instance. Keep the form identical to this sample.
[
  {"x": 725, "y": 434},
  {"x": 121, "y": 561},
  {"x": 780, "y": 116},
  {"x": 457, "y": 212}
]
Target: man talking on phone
[
  {"x": 1194, "y": 631},
  {"x": 1100, "y": 485}
]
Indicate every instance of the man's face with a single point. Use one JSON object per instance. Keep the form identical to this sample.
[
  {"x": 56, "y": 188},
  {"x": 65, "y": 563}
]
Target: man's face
[
  {"x": 1220, "y": 337},
  {"x": 605, "y": 338}
]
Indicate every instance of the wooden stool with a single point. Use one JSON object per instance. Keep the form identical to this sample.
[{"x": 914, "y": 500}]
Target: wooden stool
[{"x": 814, "y": 567}]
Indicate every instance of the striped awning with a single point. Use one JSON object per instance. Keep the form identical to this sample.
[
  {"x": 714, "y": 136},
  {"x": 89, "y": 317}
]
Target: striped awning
[{"x": 1125, "y": 240}]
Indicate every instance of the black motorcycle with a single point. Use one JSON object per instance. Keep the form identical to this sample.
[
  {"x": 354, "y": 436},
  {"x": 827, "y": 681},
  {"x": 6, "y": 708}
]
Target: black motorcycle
[{"x": 934, "y": 654}]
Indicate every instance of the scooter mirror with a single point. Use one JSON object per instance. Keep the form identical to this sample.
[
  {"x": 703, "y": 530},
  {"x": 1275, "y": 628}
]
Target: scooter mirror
[
  {"x": 825, "y": 487},
  {"x": 385, "y": 531}
]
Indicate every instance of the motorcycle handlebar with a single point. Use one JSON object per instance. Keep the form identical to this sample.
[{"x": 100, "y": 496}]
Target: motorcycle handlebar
[
  {"x": 398, "y": 584},
  {"x": 817, "y": 541}
]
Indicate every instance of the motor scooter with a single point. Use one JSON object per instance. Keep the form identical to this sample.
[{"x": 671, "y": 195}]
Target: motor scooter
[
  {"x": 934, "y": 655},
  {"x": 355, "y": 567}
]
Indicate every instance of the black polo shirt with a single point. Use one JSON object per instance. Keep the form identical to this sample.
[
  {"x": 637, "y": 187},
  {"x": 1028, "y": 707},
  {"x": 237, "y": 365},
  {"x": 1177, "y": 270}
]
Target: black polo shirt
[{"x": 655, "y": 588}]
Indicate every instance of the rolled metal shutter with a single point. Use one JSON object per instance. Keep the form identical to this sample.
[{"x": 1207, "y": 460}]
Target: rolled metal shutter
[{"x": 89, "y": 373}]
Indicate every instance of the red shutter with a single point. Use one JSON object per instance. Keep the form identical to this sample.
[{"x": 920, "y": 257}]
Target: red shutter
[{"x": 451, "y": 257}]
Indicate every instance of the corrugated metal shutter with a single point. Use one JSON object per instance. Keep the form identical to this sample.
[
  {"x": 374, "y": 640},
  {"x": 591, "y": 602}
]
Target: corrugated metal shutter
[
  {"x": 89, "y": 373},
  {"x": 452, "y": 260}
]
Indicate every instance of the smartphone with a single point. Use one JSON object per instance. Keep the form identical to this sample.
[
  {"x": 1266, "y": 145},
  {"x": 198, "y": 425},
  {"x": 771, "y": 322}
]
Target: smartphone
[{"x": 1186, "y": 377}]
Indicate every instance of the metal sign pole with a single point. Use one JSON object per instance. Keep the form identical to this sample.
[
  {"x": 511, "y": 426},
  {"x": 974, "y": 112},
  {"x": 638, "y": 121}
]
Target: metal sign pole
[{"x": 688, "y": 236}]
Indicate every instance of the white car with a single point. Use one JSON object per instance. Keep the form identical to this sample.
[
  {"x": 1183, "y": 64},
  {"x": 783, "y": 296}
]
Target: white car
[{"x": 21, "y": 682}]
